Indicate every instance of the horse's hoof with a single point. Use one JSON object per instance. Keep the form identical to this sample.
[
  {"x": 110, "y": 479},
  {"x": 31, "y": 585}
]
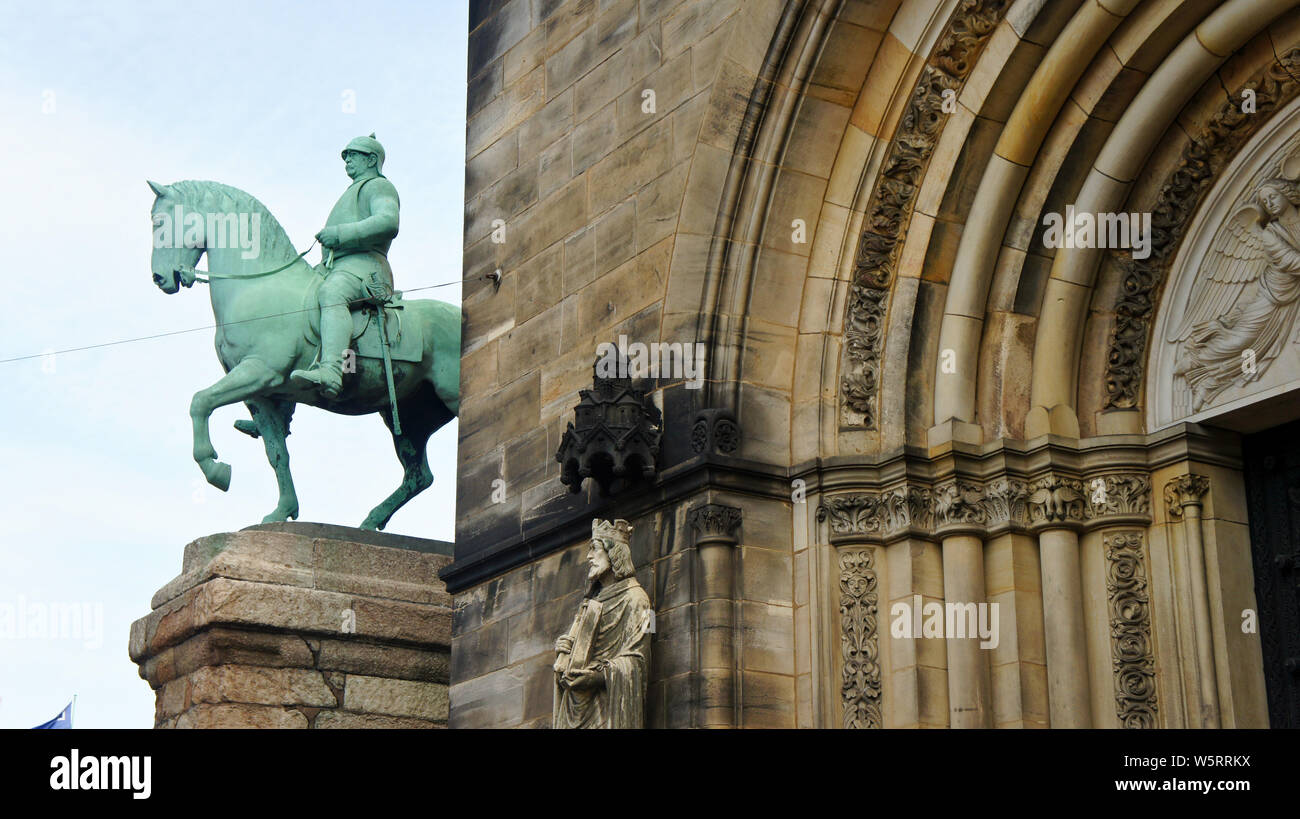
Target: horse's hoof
[
  {"x": 280, "y": 517},
  {"x": 370, "y": 525},
  {"x": 218, "y": 474}
]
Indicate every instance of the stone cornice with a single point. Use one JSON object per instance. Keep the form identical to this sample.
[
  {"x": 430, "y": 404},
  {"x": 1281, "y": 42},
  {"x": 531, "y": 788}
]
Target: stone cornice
[
  {"x": 1003, "y": 504},
  {"x": 493, "y": 551}
]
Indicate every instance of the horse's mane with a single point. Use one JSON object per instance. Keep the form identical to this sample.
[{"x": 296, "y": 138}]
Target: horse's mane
[{"x": 214, "y": 197}]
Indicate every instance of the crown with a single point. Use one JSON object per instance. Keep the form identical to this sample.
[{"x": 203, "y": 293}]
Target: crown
[{"x": 618, "y": 530}]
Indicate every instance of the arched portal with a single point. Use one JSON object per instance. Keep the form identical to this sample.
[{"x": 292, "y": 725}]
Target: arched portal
[{"x": 916, "y": 395}]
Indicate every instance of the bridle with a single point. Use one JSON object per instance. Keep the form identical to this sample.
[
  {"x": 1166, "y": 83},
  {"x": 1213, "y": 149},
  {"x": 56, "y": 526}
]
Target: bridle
[{"x": 187, "y": 275}]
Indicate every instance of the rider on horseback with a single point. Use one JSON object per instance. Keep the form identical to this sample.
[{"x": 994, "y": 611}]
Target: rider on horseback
[{"x": 357, "y": 236}]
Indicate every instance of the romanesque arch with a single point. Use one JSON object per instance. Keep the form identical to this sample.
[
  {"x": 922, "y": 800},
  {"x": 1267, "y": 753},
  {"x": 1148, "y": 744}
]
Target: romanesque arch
[{"x": 932, "y": 405}]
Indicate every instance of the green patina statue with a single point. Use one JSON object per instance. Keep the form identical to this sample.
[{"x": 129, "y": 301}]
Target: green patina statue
[{"x": 331, "y": 337}]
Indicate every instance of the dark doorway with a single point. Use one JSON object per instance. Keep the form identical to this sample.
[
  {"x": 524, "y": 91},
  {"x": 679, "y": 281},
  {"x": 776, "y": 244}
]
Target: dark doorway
[{"x": 1272, "y": 467}]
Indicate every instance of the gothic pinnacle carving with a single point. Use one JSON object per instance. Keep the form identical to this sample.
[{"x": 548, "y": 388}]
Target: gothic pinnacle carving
[{"x": 615, "y": 440}]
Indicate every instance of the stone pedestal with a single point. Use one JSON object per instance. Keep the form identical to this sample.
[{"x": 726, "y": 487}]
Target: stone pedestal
[{"x": 300, "y": 625}]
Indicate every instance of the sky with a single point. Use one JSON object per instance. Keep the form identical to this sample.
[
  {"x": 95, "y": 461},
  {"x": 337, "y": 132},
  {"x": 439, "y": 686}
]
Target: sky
[{"x": 98, "y": 492}]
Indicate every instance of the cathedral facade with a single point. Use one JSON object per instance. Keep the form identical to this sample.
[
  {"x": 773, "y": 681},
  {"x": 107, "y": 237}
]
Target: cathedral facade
[{"x": 950, "y": 358}]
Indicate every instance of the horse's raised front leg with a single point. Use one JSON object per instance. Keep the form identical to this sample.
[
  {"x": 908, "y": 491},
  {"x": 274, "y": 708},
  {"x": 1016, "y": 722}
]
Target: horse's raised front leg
[
  {"x": 272, "y": 419},
  {"x": 244, "y": 381}
]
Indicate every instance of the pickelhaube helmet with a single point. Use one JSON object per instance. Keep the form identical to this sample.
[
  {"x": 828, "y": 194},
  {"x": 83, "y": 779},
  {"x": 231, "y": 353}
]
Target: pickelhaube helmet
[{"x": 367, "y": 145}]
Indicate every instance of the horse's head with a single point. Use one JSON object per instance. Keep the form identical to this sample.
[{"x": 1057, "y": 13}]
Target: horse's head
[{"x": 178, "y": 240}]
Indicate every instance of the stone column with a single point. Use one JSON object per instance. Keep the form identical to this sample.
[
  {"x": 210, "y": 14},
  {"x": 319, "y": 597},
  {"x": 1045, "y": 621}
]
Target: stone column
[
  {"x": 1183, "y": 499},
  {"x": 715, "y": 527},
  {"x": 1067, "y": 651},
  {"x": 1059, "y": 505},
  {"x": 968, "y": 669}
]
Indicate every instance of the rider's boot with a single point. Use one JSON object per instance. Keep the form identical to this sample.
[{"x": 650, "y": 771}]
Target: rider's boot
[{"x": 335, "y": 332}]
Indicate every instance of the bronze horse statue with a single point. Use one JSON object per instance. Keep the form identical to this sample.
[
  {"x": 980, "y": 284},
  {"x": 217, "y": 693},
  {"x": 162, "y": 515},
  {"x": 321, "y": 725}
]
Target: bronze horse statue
[{"x": 265, "y": 303}]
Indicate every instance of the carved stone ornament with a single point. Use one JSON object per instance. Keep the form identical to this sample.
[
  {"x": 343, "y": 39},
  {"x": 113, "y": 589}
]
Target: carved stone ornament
[
  {"x": 1130, "y": 630},
  {"x": 715, "y": 430},
  {"x": 1000, "y": 503},
  {"x": 1056, "y": 500},
  {"x": 859, "y": 645},
  {"x": 890, "y": 209},
  {"x": 1203, "y": 346},
  {"x": 714, "y": 523},
  {"x": 602, "y": 662},
  {"x": 1185, "y": 490},
  {"x": 613, "y": 439}
]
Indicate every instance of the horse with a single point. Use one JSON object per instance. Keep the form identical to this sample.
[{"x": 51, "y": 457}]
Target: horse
[{"x": 264, "y": 299}]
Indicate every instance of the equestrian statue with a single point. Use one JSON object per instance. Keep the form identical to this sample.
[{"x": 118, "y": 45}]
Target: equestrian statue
[{"x": 335, "y": 336}]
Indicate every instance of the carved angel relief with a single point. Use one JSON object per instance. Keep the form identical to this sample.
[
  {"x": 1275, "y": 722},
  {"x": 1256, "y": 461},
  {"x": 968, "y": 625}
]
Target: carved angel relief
[{"x": 1240, "y": 313}]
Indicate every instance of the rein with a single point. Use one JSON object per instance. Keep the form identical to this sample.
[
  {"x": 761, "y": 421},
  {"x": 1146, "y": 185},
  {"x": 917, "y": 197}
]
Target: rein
[{"x": 195, "y": 276}]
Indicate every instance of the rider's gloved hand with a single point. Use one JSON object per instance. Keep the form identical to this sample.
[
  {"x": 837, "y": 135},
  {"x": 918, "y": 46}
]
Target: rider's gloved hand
[{"x": 328, "y": 237}]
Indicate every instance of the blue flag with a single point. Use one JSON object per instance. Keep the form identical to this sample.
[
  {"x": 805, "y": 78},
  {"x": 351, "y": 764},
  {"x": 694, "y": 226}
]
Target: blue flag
[{"x": 63, "y": 720}]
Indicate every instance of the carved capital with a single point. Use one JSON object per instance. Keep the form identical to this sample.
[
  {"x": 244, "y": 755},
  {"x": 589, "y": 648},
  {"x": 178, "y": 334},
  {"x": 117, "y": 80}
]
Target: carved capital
[
  {"x": 1183, "y": 491},
  {"x": 714, "y": 523},
  {"x": 959, "y": 502},
  {"x": 876, "y": 513},
  {"x": 1006, "y": 500},
  {"x": 997, "y": 504},
  {"x": 1118, "y": 498},
  {"x": 1056, "y": 499}
]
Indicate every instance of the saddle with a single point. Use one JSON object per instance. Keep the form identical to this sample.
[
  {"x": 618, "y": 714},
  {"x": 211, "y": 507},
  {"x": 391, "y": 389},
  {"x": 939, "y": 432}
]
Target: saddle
[{"x": 405, "y": 339}]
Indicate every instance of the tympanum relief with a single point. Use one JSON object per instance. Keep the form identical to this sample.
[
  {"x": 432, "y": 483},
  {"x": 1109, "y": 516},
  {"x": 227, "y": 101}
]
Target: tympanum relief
[{"x": 1228, "y": 327}]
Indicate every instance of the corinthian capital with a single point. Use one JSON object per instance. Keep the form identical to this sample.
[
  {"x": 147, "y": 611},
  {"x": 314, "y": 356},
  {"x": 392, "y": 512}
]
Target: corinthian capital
[
  {"x": 1185, "y": 490},
  {"x": 714, "y": 523}
]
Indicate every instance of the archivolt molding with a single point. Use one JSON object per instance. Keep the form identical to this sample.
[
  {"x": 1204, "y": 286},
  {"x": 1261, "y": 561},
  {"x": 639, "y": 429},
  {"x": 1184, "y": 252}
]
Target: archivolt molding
[
  {"x": 1202, "y": 160},
  {"x": 989, "y": 506},
  {"x": 889, "y": 213}
]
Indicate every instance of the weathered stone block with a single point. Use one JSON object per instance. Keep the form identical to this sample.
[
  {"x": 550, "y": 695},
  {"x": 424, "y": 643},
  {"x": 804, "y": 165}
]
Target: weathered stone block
[
  {"x": 401, "y": 698},
  {"x": 239, "y": 715},
  {"x": 260, "y": 686},
  {"x": 629, "y": 167},
  {"x": 266, "y": 627}
]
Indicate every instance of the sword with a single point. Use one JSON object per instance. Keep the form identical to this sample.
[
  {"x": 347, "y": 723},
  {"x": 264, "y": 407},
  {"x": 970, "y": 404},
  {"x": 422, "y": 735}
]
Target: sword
[{"x": 388, "y": 363}]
